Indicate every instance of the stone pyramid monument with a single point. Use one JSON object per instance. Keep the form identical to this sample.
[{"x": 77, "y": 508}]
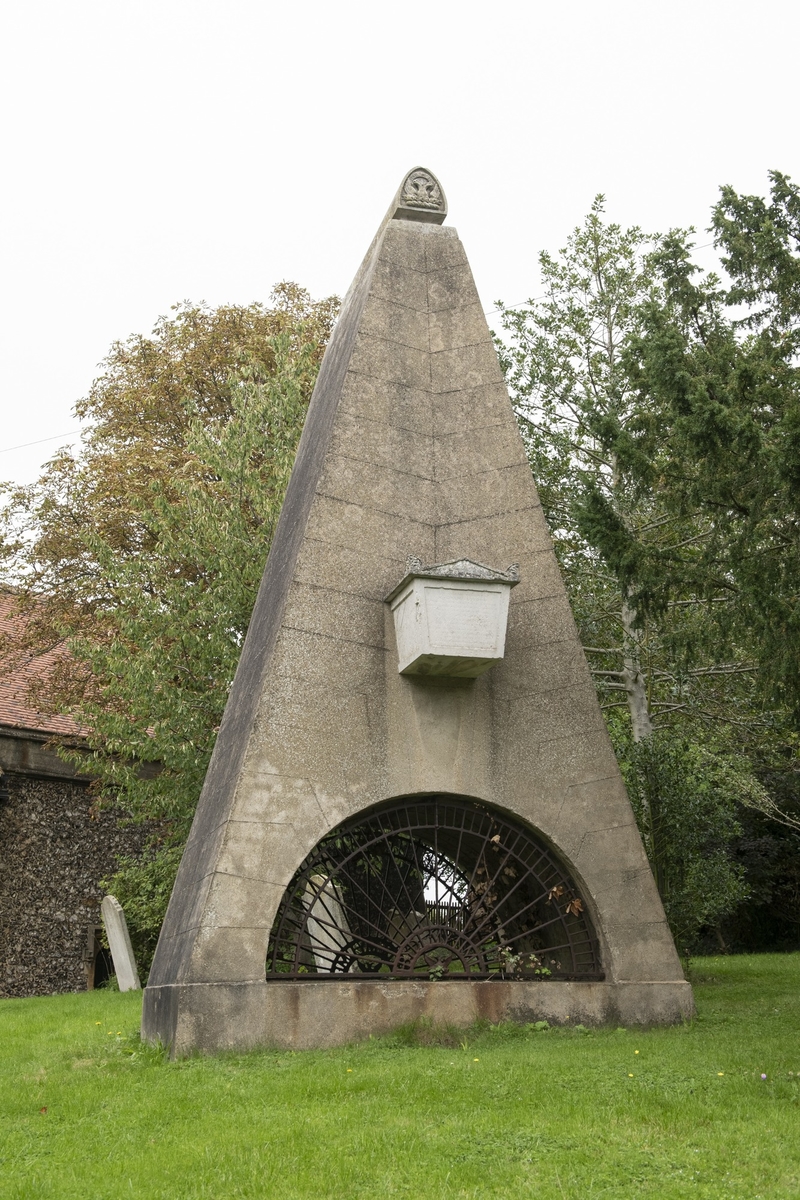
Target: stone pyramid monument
[{"x": 413, "y": 808}]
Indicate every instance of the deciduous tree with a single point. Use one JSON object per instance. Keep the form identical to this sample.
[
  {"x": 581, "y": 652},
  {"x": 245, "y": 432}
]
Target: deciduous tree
[{"x": 143, "y": 551}]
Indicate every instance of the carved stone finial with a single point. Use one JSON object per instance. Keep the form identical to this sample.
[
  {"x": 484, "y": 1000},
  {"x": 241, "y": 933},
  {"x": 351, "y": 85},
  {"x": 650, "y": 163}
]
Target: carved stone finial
[{"x": 420, "y": 198}]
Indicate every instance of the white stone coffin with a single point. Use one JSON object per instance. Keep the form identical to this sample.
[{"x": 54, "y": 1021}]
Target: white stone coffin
[{"x": 450, "y": 619}]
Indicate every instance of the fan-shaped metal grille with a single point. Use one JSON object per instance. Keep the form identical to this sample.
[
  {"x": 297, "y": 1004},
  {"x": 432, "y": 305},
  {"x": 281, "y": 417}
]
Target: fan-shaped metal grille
[{"x": 437, "y": 887}]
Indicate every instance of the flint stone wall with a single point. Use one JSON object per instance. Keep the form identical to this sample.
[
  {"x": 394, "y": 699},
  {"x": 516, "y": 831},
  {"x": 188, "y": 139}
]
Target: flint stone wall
[{"x": 54, "y": 850}]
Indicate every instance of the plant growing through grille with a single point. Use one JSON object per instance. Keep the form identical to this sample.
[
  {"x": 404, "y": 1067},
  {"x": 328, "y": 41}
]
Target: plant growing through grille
[{"x": 437, "y": 887}]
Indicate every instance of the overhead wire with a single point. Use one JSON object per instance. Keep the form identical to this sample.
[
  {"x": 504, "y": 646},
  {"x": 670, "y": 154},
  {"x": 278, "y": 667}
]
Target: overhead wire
[{"x": 39, "y": 441}]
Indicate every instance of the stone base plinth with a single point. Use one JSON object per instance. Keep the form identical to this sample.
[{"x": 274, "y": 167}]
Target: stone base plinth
[{"x": 214, "y": 1017}]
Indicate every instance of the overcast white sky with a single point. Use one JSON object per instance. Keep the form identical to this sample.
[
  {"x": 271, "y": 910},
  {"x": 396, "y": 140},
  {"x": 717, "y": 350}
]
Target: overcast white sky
[{"x": 170, "y": 150}]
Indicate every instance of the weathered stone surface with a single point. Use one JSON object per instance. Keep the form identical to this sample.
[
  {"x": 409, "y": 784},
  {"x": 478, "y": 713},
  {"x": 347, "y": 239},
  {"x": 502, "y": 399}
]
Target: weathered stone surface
[
  {"x": 544, "y": 621},
  {"x": 399, "y": 285},
  {"x": 486, "y": 494},
  {"x": 301, "y": 1016},
  {"x": 351, "y": 576},
  {"x": 368, "y": 439},
  {"x": 119, "y": 941},
  {"x": 392, "y": 361},
  {"x": 397, "y": 407},
  {"x": 471, "y": 409},
  {"x": 410, "y": 448},
  {"x": 340, "y": 523},
  {"x": 494, "y": 446},
  {"x": 453, "y": 328},
  {"x": 494, "y": 537},
  {"x": 451, "y": 288},
  {"x": 320, "y": 657},
  {"x": 380, "y": 487},
  {"x": 443, "y": 251},
  {"x": 396, "y": 323}
]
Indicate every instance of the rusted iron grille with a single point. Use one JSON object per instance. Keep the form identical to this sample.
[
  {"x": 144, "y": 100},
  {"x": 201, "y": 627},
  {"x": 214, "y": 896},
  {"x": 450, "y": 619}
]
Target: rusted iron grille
[{"x": 434, "y": 887}]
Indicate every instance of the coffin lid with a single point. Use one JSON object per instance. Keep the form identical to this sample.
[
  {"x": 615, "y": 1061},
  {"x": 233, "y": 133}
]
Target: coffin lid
[{"x": 460, "y": 568}]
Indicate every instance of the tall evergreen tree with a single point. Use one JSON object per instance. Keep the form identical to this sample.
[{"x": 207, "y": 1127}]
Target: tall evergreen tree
[
  {"x": 676, "y": 699},
  {"x": 720, "y": 365}
]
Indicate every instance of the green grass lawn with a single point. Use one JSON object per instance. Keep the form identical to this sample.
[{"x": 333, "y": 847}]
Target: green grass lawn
[{"x": 87, "y": 1111}]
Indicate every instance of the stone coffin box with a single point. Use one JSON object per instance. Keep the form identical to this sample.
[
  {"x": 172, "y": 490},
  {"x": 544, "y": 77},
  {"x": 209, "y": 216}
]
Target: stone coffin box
[{"x": 450, "y": 619}]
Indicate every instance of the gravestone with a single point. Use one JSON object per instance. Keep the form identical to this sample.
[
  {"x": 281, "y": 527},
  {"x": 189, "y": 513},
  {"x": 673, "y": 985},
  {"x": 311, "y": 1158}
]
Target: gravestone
[
  {"x": 444, "y": 834},
  {"x": 119, "y": 942}
]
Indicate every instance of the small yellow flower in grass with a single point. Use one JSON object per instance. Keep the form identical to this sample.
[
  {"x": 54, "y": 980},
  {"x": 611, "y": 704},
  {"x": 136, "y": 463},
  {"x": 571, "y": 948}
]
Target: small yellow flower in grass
[
  {"x": 636, "y": 1052},
  {"x": 720, "y": 1072},
  {"x": 629, "y": 1075},
  {"x": 476, "y": 1060},
  {"x": 349, "y": 1070},
  {"x": 98, "y": 1022}
]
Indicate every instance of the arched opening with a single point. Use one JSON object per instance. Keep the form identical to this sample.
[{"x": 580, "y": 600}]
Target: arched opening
[{"x": 432, "y": 887}]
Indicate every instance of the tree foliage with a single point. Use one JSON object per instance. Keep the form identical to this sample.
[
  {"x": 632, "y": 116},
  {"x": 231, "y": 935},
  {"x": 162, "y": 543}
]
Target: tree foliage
[
  {"x": 719, "y": 365},
  {"x": 687, "y": 800},
  {"x": 143, "y": 552},
  {"x": 596, "y": 368},
  {"x": 594, "y": 436}
]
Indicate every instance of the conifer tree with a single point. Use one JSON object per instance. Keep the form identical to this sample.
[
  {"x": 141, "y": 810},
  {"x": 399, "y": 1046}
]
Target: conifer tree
[{"x": 678, "y": 699}]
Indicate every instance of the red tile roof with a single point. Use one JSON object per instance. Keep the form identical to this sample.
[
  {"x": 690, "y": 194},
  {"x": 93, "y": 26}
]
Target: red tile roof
[{"x": 18, "y": 672}]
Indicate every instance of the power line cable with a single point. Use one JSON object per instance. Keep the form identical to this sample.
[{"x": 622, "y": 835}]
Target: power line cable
[{"x": 39, "y": 442}]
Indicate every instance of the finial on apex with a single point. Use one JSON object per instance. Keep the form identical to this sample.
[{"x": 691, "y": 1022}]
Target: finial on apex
[{"x": 420, "y": 198}]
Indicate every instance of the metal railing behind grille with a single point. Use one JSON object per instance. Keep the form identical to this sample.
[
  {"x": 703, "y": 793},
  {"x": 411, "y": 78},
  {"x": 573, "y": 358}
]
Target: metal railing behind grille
[{"x": 434, "y": 887}]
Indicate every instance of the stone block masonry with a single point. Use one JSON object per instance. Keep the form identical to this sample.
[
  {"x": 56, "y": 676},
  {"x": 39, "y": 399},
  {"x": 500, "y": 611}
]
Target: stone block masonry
[{"x": 410, "y": 448}]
